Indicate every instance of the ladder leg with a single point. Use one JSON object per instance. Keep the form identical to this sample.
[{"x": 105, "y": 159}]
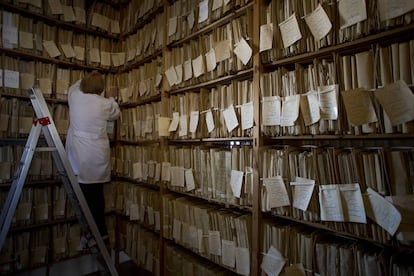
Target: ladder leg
[{"x": 13, "y": 196}]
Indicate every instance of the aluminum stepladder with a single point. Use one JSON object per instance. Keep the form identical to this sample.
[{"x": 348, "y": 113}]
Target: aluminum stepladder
[{"x": 45, "y": 122}]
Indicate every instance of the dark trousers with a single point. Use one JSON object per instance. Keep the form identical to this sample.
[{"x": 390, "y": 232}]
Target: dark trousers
[{"x": 94, "y": 196}]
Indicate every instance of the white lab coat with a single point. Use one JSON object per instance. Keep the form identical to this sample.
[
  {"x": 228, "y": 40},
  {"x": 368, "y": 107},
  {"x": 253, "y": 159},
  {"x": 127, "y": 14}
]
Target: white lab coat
[{"x": 87, "y": 142}]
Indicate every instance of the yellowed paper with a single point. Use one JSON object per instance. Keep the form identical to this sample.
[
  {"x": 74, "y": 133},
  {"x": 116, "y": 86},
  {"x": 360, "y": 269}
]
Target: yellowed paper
[
  {"x": 290, "y": 110},
  {"x": 55, "y": 6},
  {"x": 172, "y": 26},
  {"x": 171, "y": 75},
  {"x": 188, "y": 70},
  {"x": 26, "y": 40},
  {"x": 247, "y": 115},
  {"x": 389, "y": 9},
  {"x": 273, "y": 262},
  {"x": 211, "y": 60},
  {"x": 397, "y": 100},
  {"x": 222, "y": 50},
  {"x": 353, "y": 207},
  {"x": 230, "y": 118},
  {"x": 271, "y": 111},
  {"x": 198, "y": 66},
  {"x": 174, "y": 122},
  {"x": 243, "y": 51},
  {"x": 51, "y": 48},
  {"x": 309, "y": 107},
  {"x": 382, "y": 211},
  {"x": 266, "y": 37},
  {"x": 290, "y": 31},
  {"x": 236, "y": 181},
  {"x": 194, "y": 117},
  {"x": 68, "y": 14},
  {"x": 330, "y": 203},
  {"x": 351, "y": 12},
  {"x": 68, "y": 50},
  {"x": 318, "y": 23},
  {"x": 228, "y": 256},
  {"x": 27, "y": 80},
  {"x": 359, "y": 107},
  {"x": 276, "y": 192},
  {"x": 302, "y": 192}
]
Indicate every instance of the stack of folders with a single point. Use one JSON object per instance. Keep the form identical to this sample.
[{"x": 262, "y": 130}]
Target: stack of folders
[
  {"x": 21, "y": 250},
  {"x": 290, "y": 248},
  {"x": 73, "y": 239},
  {"x": 219, "y": 112},
  {"x": 110, "y": 196},
  {"x": 300, "y": 102},
  {"x": 33, "y": 6},
  {"x": 42, "y": 204},
  {"x": 379, "y": 80},
  {"x": 59, "y": 202},
  {"x": 179, "y": 262},
  {"x": 63, "y": 80},
  {"x": 141, "y": 82},
  {"x": 139, "y": 123},
  {"x": 304, "y": 26},
  {"x": 60, "y": 235},
  {"x": 306, "y": 183},
  {"x": 6, "y": 163},
  {"x": 224, "y": 175},
  {"x": 135, "y": 11},
  {"x": 140, "y": 163},
  {"x": 225, "y": 50},
  {"x": 186, "y": 17},
  {"x": 7, "y": 254},
  {"x": 39, "y": 245},
  {"x": 143, "y": 247},
  {"x": 103, "y": 17},
  {"x": 143, "y": 205},
  {"x": 221, "y": 235}
]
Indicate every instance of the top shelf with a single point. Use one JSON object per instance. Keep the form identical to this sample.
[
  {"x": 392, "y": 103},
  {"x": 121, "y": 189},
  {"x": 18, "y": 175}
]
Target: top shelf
[
  {"x": 385, "y": 37},
  {"x": 55, "y": 21}
]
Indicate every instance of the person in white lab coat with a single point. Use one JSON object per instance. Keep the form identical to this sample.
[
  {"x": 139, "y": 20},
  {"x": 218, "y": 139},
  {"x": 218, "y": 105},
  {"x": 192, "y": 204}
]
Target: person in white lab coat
[{"x": 87, "y": 142}]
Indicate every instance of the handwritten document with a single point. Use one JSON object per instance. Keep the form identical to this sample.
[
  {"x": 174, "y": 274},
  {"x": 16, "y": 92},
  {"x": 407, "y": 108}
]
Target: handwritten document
[
  {"x": 198, "y": 66},
  {"x": 188, "y": 70},
  {"x": 243, "y": 51},
  {"x": 271, "y": 110},
  {"x": 228, "y": 256},
  {"x": 171, "y": 75},
  {"x": 273, "y": 262},
  {"x": 276, "y": 192},
  {"x": 359, "y": 107},
  {"x": 194, "y": 116},
  {"x": 353, "y": 207},
  {"x": 189, "y": 180},
  {"x": 328, "y": 103},
  {"x": 351, "y": 12},
  {"x": 230, "y": 118},
  {"x": 11, "y": 78},
  {"x": 318, "y": 23},
  {"x": 266, "y": 37},
  {"x": 302, "y": 192},
  {"x": 309, "y": 107},
  {"x": 389, "y": 9},
  {"x": 209, "y": 121},
  {"x": 290, "y": 31},
  {"x": 290, "y": 110},
  {"x": 247, "y": 115},
  {"x": 174, "y": 122},
  {"x": 222, "y": 50},
  {"x": 330, "y": 203},
  {"x": 203, "y": 11},
  {"x": 242, "y": 261},
  {"x": 51, "y": 48},
  {"x": 211, "y": 62},
  {"x": 382, "y": 212},
  {"x": 214, "y": 242},
  {"x": 236, "y": 181},
  {"x": 398, "y": 101}
]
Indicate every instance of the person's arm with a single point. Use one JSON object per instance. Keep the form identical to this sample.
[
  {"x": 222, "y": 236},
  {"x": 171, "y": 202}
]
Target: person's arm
[
  {"x": 113, "y": 110},
  {"x": 74, "y": 87}
]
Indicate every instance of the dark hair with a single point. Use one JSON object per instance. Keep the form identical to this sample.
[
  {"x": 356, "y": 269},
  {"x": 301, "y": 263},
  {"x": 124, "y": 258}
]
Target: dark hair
[{"x": 93, "y": 83}]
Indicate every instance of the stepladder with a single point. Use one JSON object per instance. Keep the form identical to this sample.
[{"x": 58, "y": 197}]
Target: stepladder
[{"x": 44, "y": 124}]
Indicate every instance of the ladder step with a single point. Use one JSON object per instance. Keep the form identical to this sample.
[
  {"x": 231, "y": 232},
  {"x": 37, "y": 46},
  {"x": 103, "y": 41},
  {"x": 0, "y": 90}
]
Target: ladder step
[{"x": 46, "y": 149}]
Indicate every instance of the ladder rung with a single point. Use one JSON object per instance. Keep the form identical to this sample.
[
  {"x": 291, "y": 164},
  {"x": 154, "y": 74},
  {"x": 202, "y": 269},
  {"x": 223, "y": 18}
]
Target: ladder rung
[{"x": 45, "y": 149}]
